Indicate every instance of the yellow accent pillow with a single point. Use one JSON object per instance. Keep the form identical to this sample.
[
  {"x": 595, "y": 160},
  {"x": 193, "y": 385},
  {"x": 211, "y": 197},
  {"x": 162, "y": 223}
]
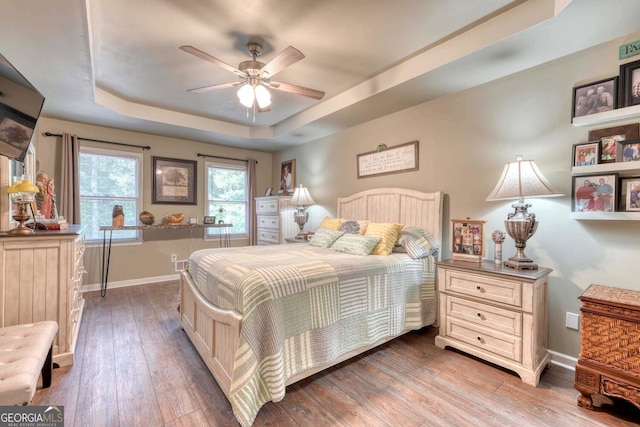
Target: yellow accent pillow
[
  {"x": 331, "y": 223},
  {"x": 388, "y": 233}
]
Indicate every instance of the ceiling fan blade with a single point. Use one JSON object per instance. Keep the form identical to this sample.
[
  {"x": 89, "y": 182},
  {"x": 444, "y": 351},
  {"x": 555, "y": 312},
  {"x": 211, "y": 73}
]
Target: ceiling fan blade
[
  {"x": 213, "y": 87},
  {"x": 298, "y": 90},
  {"x": 200, "y": 54},
  {"x": 287, "y": 57}
]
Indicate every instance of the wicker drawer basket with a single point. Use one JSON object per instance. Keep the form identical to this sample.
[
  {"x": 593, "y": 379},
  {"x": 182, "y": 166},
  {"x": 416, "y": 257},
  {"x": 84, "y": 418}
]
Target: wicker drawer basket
[{"x": 609, "y": 361}]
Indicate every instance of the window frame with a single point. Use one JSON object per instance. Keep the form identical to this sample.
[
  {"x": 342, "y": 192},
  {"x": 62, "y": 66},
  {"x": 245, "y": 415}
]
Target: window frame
[
  {"x": 139, "y": 200},
  {"x": 213, "y": 233}
]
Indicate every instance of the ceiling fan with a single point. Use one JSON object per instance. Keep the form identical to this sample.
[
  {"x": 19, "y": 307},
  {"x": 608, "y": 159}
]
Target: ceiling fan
[{"x": 255, "y": 76}]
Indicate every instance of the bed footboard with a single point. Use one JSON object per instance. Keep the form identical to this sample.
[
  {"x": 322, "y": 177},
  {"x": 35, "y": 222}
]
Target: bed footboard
[{"x": 214, "y": 332}]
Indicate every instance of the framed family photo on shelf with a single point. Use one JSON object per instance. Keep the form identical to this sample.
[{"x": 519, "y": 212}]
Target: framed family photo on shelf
[
  {"x": 630, "y": 150},
  {"x": 630, "y": 84},
  {"x": 594, "y": 193},
  {"x": 611, "y": 139},
  {"x": 595, "y": 97},
  {"x": 586, "y": 153},
  {"x": 467, "y": 242},
  {"x": 630, "y": 194}
]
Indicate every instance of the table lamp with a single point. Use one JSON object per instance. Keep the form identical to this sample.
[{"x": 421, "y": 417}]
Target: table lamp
[
  {"x": 521, "y": 179},
  {"x": 301, "y": 198},
  {"x": 22, "y": 193}
]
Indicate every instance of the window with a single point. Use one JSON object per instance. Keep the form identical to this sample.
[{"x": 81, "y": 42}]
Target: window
[
  {"x": 108, "y": 178},
  {"x": 227, "y": 197}
]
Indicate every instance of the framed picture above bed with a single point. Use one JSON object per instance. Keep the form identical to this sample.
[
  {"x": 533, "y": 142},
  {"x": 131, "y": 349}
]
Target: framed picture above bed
[{"x": 467, "y": 241}]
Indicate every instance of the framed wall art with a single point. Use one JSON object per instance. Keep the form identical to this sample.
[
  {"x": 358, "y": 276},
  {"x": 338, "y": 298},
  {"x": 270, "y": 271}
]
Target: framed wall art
[
  {"x": 595, "y": 97},
  {"x": 630, "y": 84},
  {"x": 467, "y": 239},
  {"x": 594, "y": 193},
  {"x": 586, "y": 153},
  {"x": 174, "y": 181},
  {"x": 287, "y": 176},
  {"x": 611, "y": 137},
  {"x": 386, "y": 160},
  {"x": 630, "y": 194}
]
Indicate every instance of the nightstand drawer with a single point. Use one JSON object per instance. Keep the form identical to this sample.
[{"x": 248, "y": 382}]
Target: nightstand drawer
[
  {"x": 485, "y": 287},
  {"x": 498, "y": 319},
  {"x": 268, "y": 236},
  {"x": 505, "y": 345},
  {"x": 272, "y": 222},
  {"x": 267, "y": 206}
]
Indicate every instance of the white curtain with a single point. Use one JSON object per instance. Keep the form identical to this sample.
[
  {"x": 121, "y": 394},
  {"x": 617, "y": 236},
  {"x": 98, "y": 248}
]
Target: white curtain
[
  {"x": 69, "y": 193},
  {"x": 253, "y": 188}
]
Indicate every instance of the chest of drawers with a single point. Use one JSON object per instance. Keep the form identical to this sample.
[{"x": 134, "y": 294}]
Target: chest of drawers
[
  {"x": 275, "y": 219},
  {"x": 609, "y": 361},
  {"x": 495, "y": 313}
]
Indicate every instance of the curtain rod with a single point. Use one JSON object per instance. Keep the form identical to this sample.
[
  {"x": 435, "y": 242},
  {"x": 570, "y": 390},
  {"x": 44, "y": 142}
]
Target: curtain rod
[
  {"x": 144, "y": 147},
  {"x": 224, "y": 158}
]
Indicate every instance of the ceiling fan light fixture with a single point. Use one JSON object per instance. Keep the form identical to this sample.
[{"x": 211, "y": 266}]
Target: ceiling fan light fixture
[
  {"x": 246, "y": 95},
  {"x": 263, "y": 97}
]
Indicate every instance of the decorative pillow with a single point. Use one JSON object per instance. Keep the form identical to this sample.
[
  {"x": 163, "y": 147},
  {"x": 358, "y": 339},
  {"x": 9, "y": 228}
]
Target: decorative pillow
[
  {"x": 418, "y": 243},
  {"x": 352, "y": 226},
  {"x": 388, "y": 233},
  {"x": 355, "y": 244},
  {"x": 331, "y": 223},
  {"x": 324, "y": 237}
]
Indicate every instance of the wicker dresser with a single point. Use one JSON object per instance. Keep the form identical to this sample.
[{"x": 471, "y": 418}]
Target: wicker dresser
[{"x": 609, "y": 361}]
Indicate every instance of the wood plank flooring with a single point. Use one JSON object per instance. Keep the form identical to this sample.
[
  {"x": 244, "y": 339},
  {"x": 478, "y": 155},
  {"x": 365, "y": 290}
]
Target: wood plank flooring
[{"x": 135, "y": 367}]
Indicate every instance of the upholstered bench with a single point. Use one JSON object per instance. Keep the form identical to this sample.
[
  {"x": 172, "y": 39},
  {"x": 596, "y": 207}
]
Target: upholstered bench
[{"x": 25, "y": 352}]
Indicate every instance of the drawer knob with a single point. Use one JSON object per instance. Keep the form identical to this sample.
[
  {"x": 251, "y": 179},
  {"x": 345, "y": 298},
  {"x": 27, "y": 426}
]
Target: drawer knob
[
  {"x": 480, "y": 315},
  {"x": 479, "y": 338}
]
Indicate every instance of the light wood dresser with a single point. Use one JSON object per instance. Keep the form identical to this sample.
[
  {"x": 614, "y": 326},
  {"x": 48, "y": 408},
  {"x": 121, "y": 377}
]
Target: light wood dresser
[
  {"x": 275, "y": 219},
  {"x": 609, "y": 360},
  {"x": 496, "y": 313},
  {"x": 41, "y": 279}
]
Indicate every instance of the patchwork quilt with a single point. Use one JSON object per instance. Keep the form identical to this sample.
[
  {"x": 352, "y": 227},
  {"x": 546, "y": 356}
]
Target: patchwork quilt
[{"x": 303, "y": 307}]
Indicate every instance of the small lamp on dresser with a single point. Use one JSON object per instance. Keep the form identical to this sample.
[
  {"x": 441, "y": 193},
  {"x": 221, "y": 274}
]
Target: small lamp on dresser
[
  {"x": 301, "y": 199},
  {"x": 22, "y": 193}
]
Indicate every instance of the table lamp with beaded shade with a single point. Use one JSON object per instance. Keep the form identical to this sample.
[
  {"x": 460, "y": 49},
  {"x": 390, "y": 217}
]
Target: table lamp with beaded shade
[{"x": 521, "y": 179}]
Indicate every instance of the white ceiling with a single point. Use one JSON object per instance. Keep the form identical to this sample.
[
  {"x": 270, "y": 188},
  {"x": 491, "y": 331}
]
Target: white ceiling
[{"x": 116, "y": 63}]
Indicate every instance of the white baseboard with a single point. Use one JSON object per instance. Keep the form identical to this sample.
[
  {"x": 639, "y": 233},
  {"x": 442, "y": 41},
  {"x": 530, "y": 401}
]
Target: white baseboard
[
  {"x": 563, "y": 360},
  {"x": 132, "y": 282}
]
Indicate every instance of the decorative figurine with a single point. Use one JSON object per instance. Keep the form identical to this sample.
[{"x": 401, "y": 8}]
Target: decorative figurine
[
  {"x": 117, "y": 219},
  {"x": 147, "y": 218},
  {"x": 498, "y": 237},
  {"x": 46, "y": 197}
]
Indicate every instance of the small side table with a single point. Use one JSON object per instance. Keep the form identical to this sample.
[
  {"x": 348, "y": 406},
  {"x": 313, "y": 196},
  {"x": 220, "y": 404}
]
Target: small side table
[
  {"x": 496, "y": 313},
  {"x": 294, "y": 240}
]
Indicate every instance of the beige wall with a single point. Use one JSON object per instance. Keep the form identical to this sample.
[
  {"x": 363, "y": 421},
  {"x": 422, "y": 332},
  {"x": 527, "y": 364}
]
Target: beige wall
[
  {"x": 465, "y": 140},
  {"x": 152, "y": 258}
]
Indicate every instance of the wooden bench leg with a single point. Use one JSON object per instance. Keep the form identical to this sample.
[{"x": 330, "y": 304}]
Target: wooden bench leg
[{"x": 47, "y": 369}]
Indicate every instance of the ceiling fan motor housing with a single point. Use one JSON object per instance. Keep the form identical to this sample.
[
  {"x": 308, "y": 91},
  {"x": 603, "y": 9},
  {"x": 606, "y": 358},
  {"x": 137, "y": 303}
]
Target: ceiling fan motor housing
[{"x": 251, "y": 67}]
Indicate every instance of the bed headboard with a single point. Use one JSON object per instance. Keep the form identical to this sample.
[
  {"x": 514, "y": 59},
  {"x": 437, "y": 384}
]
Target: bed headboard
[{"x": 400, "y": 205}]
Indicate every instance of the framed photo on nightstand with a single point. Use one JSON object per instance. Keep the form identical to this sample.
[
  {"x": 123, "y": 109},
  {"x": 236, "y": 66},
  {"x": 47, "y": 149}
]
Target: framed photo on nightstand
[{"x": 467, "y": 239}]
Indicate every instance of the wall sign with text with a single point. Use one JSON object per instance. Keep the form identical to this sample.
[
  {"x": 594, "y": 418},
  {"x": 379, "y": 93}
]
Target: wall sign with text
[{"x": 396, "y": 159}]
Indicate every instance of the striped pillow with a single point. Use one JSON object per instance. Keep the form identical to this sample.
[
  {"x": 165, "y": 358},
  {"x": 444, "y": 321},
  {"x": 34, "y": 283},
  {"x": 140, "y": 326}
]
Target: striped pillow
[
  {"x": 355, "y": 244},
  {"x": 331, "y": 223},
  {"x": 324, "y": 237},
  {"x": 388, "y": 233},
  {"x": 417, "y": 242}
]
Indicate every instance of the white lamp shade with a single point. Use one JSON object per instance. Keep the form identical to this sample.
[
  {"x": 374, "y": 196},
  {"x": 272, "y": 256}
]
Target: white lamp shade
[
  {"x": 301, "y": 197},
  {"x": 263, "y": 97},
  {"x": 246, "y": 95},
  {"x": 521, "y": 179}
]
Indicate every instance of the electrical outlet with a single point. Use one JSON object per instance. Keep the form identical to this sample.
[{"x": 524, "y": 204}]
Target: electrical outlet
[
  {"x": 572, "y": 320},
  {"x": 174, "y": 257}
]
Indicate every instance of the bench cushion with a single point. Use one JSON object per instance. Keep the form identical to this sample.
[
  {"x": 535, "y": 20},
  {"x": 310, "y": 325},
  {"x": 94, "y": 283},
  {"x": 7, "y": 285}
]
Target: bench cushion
[{"x": 23, "y": 351}]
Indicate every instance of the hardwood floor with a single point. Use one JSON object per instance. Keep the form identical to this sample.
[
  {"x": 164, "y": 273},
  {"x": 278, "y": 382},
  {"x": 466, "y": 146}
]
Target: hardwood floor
[{"x": 135, "y": 367}]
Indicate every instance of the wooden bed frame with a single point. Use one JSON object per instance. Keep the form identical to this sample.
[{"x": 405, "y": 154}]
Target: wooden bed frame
[{"x": 215, "y": 333}]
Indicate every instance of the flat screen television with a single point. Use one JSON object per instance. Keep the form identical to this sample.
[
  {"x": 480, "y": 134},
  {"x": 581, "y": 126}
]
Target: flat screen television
[{"x": 20, "y": 107}]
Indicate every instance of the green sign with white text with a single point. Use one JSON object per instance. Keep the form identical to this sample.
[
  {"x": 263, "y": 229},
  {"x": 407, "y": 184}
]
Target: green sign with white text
[{"x": 630, "y": 49}]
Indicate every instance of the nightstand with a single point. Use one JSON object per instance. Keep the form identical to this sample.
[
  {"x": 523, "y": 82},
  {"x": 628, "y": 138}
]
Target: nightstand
[
  {"x": 294, "y": 240},
  {"x": 496, "y": 313}
]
